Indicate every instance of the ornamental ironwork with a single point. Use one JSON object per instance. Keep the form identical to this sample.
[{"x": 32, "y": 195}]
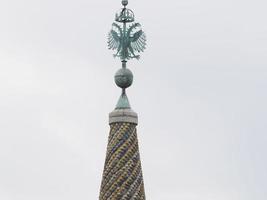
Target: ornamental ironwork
[{"x": 128, "y": 39}]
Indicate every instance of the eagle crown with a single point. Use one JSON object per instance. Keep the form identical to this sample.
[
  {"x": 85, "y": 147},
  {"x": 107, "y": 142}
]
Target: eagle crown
[{"x": 128, "y": 39}]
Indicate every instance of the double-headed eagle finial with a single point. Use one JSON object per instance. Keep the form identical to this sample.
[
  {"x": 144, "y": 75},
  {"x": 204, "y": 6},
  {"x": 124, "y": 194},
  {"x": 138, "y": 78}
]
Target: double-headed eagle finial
[{"x": 129, "y": 39}]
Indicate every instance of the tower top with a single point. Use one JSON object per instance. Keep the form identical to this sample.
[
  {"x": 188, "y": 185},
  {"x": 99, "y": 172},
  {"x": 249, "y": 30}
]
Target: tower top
[{"x": 128, "y": 40}]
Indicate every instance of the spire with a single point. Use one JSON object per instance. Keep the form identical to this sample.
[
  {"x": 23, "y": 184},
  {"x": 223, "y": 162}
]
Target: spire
[{"x": 122, "y": 177}]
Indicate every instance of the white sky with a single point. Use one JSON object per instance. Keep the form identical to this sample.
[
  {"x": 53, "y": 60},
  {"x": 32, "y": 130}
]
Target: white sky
[{"x": 199, "y": 90}]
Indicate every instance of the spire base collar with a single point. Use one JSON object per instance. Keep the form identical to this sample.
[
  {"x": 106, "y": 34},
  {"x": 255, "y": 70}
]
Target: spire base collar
[{"x": 123, "y": 115}]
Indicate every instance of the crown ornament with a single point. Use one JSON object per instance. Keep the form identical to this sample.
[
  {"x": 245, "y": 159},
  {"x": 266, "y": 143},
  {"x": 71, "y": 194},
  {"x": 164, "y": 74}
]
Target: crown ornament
[{"x": 128, "y": 39}]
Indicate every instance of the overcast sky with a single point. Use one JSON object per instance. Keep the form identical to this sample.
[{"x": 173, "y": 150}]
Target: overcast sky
[{"x": 199, "y": 90}]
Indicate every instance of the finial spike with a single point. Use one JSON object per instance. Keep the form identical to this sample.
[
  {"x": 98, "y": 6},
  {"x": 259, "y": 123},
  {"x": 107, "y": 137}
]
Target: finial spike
[
  {"x": 124, "y": 2},
  {"x": 123, "y": 102}
]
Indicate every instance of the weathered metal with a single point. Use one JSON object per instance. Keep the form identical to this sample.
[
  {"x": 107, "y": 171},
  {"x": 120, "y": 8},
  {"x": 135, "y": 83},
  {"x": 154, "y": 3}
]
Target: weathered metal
[{"x": 128, "y": 39}]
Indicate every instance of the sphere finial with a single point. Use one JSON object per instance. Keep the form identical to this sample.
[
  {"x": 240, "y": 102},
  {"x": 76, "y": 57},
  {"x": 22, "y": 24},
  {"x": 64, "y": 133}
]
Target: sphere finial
[
  {"x": 124, "y": 2},
  {"x": 123, "y": 78}
]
